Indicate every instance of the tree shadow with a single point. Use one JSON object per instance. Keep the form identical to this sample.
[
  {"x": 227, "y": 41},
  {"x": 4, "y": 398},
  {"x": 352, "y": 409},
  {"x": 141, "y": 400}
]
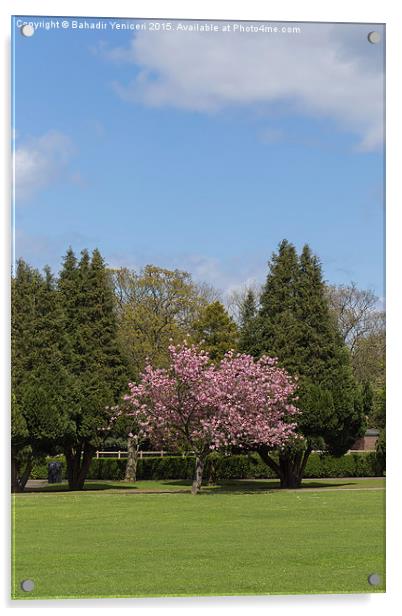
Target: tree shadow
[
  {"x": 245, "y": 486},
  {"x": 88, "y": 487},
  {"x": 232, "y": 486}
]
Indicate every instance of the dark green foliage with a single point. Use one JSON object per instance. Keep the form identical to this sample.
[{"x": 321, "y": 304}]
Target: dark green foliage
[
  {"x": 25, "y": 286},
  {"x": 216, "y": 331},
  {"x": 92, "y": 356},
  {"x": 295, "y": 324},
  {"x": 67, "y": 368},
  {"x": 21, "y": 452},
  {"x": 227, "y": 467},
  {"x": 19, "y": 430},
  {"x": 40, "y": 382},
  {"x": 47, "y": 384},
  {"x": 248, "y": 313}
]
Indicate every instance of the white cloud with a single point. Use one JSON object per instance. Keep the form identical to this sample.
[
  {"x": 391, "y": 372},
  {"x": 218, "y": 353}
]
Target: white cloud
[
  {"x": 40, "y": 161},
  {"x": 224, "y": 274},
  {"x": 329, "y": 71}
]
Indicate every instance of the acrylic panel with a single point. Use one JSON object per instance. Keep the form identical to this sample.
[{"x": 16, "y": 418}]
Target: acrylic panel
[{"x": 198, "y": 308}]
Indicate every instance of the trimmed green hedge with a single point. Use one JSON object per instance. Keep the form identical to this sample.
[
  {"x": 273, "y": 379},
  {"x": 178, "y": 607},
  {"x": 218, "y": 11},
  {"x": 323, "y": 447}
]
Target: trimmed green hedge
[{"x": 225, "y": 467}]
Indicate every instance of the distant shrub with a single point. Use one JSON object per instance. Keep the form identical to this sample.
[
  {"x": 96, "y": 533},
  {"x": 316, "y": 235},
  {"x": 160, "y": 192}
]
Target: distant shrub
[{"x": 365, "y": 464}]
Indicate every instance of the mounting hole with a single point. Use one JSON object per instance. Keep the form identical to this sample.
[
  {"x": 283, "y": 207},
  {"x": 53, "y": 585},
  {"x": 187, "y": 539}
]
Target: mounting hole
[
  {"x": 27, "y": 30},
  {"x": 27, "y": 585},
  {"x": 374, "y": 579},
  {"x": 374, "y": 37}
]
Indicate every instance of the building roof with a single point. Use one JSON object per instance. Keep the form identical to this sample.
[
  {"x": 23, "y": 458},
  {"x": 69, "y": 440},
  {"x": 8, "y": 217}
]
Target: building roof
[{"x": 372, "y": 432}]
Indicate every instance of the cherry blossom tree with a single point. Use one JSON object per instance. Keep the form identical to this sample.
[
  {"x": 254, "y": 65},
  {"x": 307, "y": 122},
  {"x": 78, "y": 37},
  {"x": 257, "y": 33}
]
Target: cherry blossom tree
[{"x": 197, "y": 406}]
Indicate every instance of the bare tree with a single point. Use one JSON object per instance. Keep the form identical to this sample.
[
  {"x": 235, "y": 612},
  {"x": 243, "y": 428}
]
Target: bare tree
[
  {"x": 237, "y": 298},
  {"x": 355, "y": 311}
]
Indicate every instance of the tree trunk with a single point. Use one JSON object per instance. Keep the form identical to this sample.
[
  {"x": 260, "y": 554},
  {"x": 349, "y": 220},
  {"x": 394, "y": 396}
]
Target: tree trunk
[
  {"x": 132, "y": 459},
  {"x": 289, "y": 463},
  {"x": 199, "y": 468},
  {"x": 290, "y": 468},
  {"x": 292, "y": 465},
  {"x": 78, "y": 461},
  {"x": 270, "y": 462},
  {"x": 19, "y": 481},
  {"x": 15, "y": 484},
  {"x": 27, "y": 473}
]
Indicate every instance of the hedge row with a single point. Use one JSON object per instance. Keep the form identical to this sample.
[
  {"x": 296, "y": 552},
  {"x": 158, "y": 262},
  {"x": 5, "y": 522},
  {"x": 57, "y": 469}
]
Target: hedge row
[{"x": 225, "y": 467}]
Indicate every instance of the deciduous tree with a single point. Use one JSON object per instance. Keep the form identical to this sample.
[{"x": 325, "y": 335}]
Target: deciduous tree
[
  {"x": 155, "y": 307},
  {"x": 198, "y": 406},
  {"x": 354, "y": 310}
]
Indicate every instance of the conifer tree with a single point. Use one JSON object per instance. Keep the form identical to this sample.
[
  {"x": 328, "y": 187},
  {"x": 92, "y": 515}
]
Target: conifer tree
[
  {"x": 248, "y": 312},
  {"x": 39, "y": 379},
  {"x": 216, "y": 331},
  {"x": 295, "y": 325},
  {"x": 47, "y": 384},
  {"x": 25, "y": 287},
  {"x": 24, "y": 290},
  {"x": 21, "y": 453},
  {"x": 96, "y": 366}
]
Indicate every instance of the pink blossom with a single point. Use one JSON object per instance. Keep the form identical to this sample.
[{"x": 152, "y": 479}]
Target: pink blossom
[{"x": 197, "y": 406}]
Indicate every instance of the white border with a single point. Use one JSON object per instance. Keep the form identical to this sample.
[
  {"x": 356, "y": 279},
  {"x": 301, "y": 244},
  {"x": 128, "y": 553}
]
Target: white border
[{"x": 290, "y": 10}]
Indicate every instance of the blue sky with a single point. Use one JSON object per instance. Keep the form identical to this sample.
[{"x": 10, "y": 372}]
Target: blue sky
[{"x": 201, "y": 151}]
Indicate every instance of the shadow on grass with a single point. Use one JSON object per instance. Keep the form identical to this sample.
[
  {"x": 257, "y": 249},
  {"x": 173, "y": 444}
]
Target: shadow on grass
[
  {"x": 88, "y": 487},
  {"x": 184, "y": 485},
  {"x": 252, "y": 487}
]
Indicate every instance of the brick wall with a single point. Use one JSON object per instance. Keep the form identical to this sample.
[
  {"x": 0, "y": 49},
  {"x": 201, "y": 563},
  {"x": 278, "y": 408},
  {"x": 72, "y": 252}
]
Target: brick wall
[{"x": 365, "y": 443}]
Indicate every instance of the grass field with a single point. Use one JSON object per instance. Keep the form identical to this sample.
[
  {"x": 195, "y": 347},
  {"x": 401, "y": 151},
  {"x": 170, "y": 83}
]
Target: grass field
[{"x": 241, "y": 537}]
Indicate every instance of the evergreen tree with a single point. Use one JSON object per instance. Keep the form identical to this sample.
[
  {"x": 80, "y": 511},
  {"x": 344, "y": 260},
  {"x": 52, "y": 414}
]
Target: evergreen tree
[
  {"x": 92, "y": 357},
  {"x": 24, "y": 285},
  {"x": 21, "y": 458},
  {"x": 295, "y": 325},
  {"x": 248, "y": 313},
  {"x": 277, "y": 325},
  {"x": 39, "y": 378},
  {"x": 47, "y": 384},
  {"x": 216, "y": 331}
]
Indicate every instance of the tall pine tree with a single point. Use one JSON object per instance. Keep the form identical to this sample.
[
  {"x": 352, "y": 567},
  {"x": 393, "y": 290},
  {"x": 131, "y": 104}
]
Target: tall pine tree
[{"x": 295, "y": 325}]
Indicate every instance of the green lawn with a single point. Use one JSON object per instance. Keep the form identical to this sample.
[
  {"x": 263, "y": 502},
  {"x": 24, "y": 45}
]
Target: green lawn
[{"x": 241, "y": 537}]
